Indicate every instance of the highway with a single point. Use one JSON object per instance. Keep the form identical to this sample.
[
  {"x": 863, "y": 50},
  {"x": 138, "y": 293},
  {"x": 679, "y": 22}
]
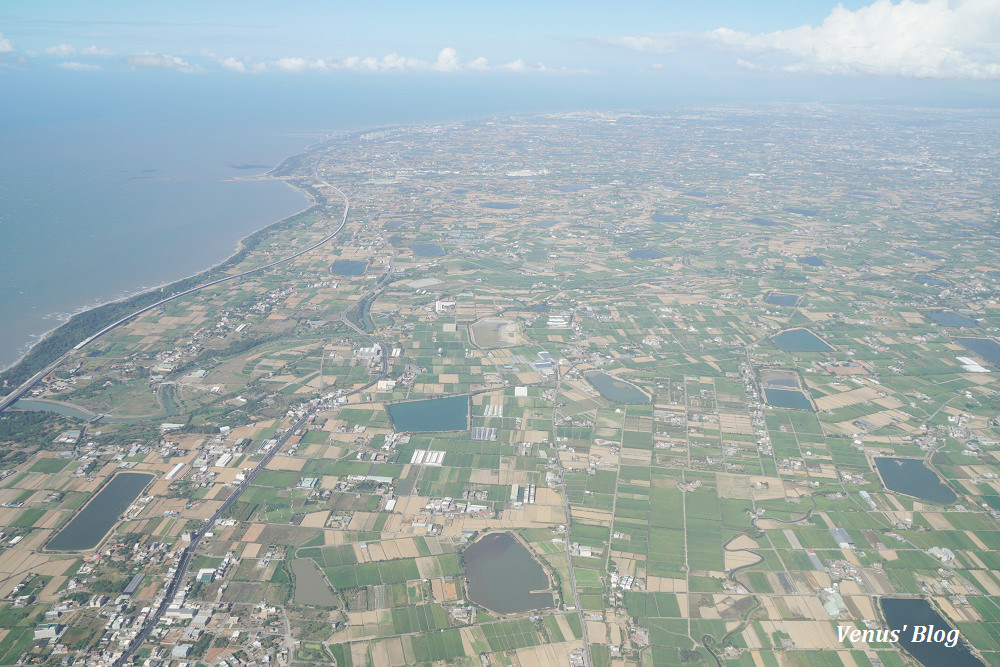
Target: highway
[
  {"x": 180, "y": 571},
  {"x": 569, "y": 515},
  {"x": 185, "y": 560},
  {"x": 25, "y": 387}
]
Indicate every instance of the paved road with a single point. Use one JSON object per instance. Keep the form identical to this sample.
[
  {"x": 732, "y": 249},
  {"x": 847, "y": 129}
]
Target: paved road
[
  {"x": 569, "y": 516},
  {"x": 189, "y": 551},
  {"x": 185, "y": 561},
  {"x": 12, "y": 397},
  {"x": 186, "y": 556}
]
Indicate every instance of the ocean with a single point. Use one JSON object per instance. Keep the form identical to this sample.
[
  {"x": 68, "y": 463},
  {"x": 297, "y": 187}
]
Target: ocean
[
  {"x": 114, "y": 183},
  {"x": 93, "y": 210}
]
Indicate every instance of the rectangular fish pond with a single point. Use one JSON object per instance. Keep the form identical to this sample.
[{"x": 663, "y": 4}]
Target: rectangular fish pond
[
  {"x": 435, "y": 414},
  {"x": 801, "y": 340},
  {"x": 90, "y": 524}
]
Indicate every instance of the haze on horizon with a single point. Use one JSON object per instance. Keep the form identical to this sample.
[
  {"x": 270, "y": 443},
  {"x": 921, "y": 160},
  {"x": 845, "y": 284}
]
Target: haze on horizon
[{"x": 516, "y": 54}]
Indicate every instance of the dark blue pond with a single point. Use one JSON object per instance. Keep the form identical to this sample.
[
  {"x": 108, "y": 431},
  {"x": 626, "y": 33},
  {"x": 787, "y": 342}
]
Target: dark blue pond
[
  {"x": 396, "y": 224},
  {"x": 780, "y": 299},
  {"x": 802, "y": 211},
  {"x": 89, "y": 526},
  {"x": 787, "y": 398},
  {"x": 662, "y": 217},
  {"x": 459, "y": 191},
  {"x": 925, "y": 279},
  {"x": 545, "y": 224},
  {"x": 907, "y": 615},
  {"x": 346, "y": 267},
  {"x": 763, "y": 222},
  {"x": 812, "y": 260},
  {"x": 500, "y": 205},
  {"x": 427, "y": 250},
  {"x": 926, "y": 253},
  {"x": 696, "y": 193},
  {"x": 986, "y": 348},
  {"x": 912, "y": 477},
  {"x": 801, "y": 340},
  {"x": 946, "y": 318},
  {"x": 570, "y": 188},
  {"x": 646, "y": 253},
  {"x": 435, "y": 414},
  {"x": 617, "y": 390},
  {"x": 717, "y": 204}
]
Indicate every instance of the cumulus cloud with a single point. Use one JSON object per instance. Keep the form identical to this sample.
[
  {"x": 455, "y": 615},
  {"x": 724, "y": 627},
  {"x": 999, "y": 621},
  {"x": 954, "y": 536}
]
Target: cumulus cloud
[
  {"x": 943, "y": 39},
  {"x": 79, "y": 67},
  {"x": 234, "y": 64},
  {"x": 61, "y": 50},
  {"x": 94, "y": 50},
  {"x": 6, "y": 46},
  {"x": 155, "y": 60}
]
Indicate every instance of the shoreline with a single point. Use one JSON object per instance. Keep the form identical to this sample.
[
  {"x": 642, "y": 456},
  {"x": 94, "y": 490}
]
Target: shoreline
[{"x": 266, "y": 176}]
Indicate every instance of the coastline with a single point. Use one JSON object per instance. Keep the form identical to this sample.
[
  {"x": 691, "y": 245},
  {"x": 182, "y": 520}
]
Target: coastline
[{"x": 266, "y": 176}]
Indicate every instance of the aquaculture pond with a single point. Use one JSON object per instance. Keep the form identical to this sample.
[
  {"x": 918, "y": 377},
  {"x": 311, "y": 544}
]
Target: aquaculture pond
[
  {"x": 812, "y": 260},
  {"x": 801, "y": 340},
  {"x": 787, "y": 398},
  {"x": 926, "y": 253},
  {"x": 781, "y": 299},
  {"x": 646, "y": 253},
  {"x": 909, "y": 617},
  {"x": 503, "y": 206},
  {"x": 946, "y": 318},
  {"x": 986, "y": 348},
  {"x": 346, "y": 267},
  {"x": 663, "y": 217},
  {"x": 436, "y": 414},
  {"x": 310, "y": 585},
  {"x": 96, "y": 518},
  {"x": 912, "y": 477},
  {"x": 427, "y": 250},
  {"x": 503, "y": 576},
  {"x": 617, "y": 390},
  {"x": 925, "y": 279}
]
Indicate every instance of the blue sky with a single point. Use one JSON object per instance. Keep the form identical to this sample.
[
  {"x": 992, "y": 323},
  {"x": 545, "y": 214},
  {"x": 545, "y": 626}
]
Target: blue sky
[{"x": 776, "y": 45}]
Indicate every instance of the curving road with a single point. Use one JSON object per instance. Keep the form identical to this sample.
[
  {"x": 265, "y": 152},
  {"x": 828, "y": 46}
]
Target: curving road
[
  {"x": 12, "y": 397},
  {"x": 186, "y": 556}
]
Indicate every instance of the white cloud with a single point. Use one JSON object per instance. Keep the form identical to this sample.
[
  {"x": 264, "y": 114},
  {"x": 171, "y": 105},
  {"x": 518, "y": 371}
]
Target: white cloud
[
  {"x": 447, "y": 60},
  {"x": 298, "y": 64},
  {"x": 61, "y": 50},
  {"x": 6, "y": 46},
  {"x": 944, "y": 39},
  {"x": 79, "y": 67},
  {"x": 234, "y": 64},
  {"x": 156, "y": 60},
  {"x": 94, "y": 50}
]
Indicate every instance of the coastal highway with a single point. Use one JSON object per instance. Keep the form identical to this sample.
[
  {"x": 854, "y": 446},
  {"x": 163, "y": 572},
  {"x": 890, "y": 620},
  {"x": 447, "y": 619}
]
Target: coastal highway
[{"x": 12, "y": 397}]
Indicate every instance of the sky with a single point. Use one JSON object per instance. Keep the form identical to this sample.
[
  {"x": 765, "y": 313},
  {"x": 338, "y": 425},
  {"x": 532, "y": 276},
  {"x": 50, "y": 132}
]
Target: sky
[{"x": 777, "y": 48}]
